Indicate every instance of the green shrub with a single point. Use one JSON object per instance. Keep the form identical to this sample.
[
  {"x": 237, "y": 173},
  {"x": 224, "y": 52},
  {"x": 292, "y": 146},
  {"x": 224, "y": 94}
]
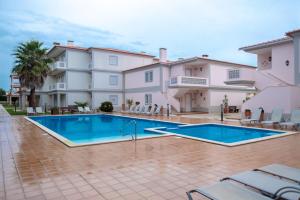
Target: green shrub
[{"x": 106, "y": 106}]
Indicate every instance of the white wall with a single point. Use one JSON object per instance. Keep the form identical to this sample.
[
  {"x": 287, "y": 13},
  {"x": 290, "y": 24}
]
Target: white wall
[
  {"x": 78, "y": 96},
  {"x": 136, "y": 79},
  {"x": 235, "y": 98},
  {"x": 125, "y": 61},
  {"x": 99, "y": 97},
  {"x": 101, "y": 80},
  {"x": 157, "y": 98},
  {"x": 78, "y": 59},
  {"x": 78, "y": 80}
]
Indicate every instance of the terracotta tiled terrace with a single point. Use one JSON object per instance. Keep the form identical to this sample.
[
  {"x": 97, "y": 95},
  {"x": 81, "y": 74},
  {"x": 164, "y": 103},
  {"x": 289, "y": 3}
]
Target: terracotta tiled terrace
[{"x": 35, "y": 165}]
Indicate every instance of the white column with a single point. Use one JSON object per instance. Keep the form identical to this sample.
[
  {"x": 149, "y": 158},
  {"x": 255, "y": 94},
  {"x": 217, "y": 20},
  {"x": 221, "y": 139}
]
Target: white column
[{"x": 58, "y": 100}]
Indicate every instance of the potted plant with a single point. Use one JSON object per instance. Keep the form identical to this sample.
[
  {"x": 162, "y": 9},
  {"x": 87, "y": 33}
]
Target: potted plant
[
  {"x": 55, "y": 110},
  {"x": 81, "y": 104},
  {"x": 225, "y": 103},
  {"x": 106, "y": 106},
  {"x": 129, "y": 102}
]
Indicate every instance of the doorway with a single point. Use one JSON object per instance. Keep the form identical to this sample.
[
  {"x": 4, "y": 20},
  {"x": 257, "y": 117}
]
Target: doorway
[{"x": 188, "y": 102}]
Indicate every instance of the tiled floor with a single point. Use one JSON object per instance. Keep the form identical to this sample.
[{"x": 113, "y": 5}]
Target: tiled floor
[{"x": 35, "y": 165}]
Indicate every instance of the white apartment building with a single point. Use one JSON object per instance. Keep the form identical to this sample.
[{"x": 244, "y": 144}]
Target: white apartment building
[
  {"x": 277, "y": 78},
  {"x": 95, "y": 75}
]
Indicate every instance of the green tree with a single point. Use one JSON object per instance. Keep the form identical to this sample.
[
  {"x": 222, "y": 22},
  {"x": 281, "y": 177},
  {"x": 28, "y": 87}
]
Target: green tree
[
  {"x": 2, "y": 92},
  {"x": 31, "y": 65}
]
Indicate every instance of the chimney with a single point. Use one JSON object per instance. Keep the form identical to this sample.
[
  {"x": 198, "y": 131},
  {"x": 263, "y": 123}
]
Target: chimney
[
  {"x": 204, "y": 56},
  {"x": 163, "y": 55},
  {"x": 70, "y": 43},
  {"x": 56, "y": 43}
]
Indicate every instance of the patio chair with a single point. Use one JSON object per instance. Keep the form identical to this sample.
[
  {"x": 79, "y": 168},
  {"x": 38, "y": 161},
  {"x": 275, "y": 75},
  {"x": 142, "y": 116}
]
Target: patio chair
[
  {"x": 39, "y": 110},
  {"x": 30, "y": 111},
  {"x": 268, "y": 185},
  {"x": 275, "y": 117},
  {"x": 254, "y": 118},
  {"x": 227, "y": 191},
  {"x": 282, "y": 171},
  {"x": 294, "y": 121},
  {"x": 80, "y": 109},
  {"x": 87, "y": 109}
]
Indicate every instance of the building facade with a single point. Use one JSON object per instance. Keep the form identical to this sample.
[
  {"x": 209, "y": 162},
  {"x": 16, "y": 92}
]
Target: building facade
[
  {"x": 277, "y": 78},
  {"x": 95, "y": 75}
]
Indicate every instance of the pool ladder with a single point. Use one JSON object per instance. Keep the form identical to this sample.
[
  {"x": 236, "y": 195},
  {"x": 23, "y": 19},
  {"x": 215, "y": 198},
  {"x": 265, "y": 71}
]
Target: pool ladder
[{"x": 133, "y": 135}]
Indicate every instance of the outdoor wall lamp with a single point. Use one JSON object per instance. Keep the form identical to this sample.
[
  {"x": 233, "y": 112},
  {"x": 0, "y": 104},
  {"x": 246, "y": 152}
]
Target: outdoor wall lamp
[{"x": 287, "y": 62}]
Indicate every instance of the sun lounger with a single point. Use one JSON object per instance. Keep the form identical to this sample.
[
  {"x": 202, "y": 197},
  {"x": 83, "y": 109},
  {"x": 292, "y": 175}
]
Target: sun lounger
[
  {"x": 140, "y": 111},
  {"x": 137, "y": 109},
  {"x": 145, "y": 110},
  {"x": 157, "y": 111},
  {"x": 267, "y": 184},
  {"x": 150, "y": 112},
  {"x": 294, "y": 121},
  {"x": 39, "y": 110},
  {"x": 275, "y": 117},
  {"x": 30, "y": 111},
  {"x": 227, "y": 191},
  {"x": 80, "y": 109},
  {"x": 132, "y": 109},
  {"x": 87, "y": 109},
  {"x": 283, "y": 171},
  {"x": 254, "y": 118}
]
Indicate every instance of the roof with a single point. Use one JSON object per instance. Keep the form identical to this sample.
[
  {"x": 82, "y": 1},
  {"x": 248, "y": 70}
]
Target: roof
[
  {"x": 267, "y": 44},
  {"x": 145, "y": 66},
  {"x": 210, "y": 60},
  {"x": 102, "y": 49},
  {"x": 291, "y": 33}
]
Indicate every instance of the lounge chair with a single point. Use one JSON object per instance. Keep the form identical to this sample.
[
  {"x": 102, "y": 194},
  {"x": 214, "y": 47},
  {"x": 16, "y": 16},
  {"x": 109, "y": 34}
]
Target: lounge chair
[
  {"x": 227, "y": 191},
  {"x": 141, "y": 110},
  {"x": 157, "y": 111},
  {"x": 275, "y": 117},
  {"x": 132, "y": 109},
  {"x": 267, "y": 184},
  {"x": 254, "y": 118},
  {"x": 39, "y": 110},
  {"x": 150, "y": 112},
  {"x": 87, "y": 109},
  {"x": 30, "y": 111},
  {"x": 146, "y": 110},
  {"x": 282, "y": 171},
  {"x": 137, "y": 109},
  {"x": 294, "y": 121},
  {"x": 80, "y": 109}
]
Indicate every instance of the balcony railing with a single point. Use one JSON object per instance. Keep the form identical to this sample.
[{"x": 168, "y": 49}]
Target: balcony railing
[
  {"x": 59, "y": 65},
  {"x": 241, "y": 77},
  {"x": 188, "y": 81},
  {"x": 57, "y": 86}
]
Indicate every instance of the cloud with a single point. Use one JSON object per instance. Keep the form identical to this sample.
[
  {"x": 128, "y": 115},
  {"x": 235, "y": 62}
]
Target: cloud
[{"x": 22, "y": 26}]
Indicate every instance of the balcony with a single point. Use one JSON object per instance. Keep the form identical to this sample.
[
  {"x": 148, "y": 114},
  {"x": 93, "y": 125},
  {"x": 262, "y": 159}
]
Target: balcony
[
  {"x": 242, "y": 77},
  {"x": 188, "y": 81},
  {"x": 57, "y": 86},
  {"x": 58, "y": 67}
]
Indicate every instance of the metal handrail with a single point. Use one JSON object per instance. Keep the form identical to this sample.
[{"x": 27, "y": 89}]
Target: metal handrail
[{"x": 133, "y": 135}]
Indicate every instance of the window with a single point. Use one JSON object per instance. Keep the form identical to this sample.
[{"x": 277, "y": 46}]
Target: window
[
  {"x": 148, "y": 99},
  {"x": 113, "y": 99},
  {"x": 113, "y": 80},
  {"x": 233, "y": 74},
  {"x": 113, "y": 60},
  {"x": 148, "y": 76}
]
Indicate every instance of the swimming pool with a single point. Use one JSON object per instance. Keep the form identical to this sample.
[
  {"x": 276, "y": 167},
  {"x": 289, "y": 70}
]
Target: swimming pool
[
  {"x": 222, "y": 134},
  {"x": 77, "y": 130}
]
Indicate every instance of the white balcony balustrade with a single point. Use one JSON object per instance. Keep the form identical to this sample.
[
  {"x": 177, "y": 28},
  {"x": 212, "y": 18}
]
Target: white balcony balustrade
[
  {"x": 188, "y": 81},
  {"x": 243, "y": 77},
  {"x": 57, "y": 86}
]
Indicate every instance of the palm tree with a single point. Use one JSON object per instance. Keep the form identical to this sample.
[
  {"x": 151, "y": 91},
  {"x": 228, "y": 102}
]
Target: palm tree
[{"x": 31, "y": 65}]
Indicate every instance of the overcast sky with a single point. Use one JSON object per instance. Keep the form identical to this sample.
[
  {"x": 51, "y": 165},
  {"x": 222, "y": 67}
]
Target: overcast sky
[{"x": 186, "y": 28}]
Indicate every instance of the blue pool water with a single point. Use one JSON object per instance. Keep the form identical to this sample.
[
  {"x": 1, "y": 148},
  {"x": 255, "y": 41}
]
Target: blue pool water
[
  {"x": 81, "y": 129},
  {"x": 221, "y": 133}
]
